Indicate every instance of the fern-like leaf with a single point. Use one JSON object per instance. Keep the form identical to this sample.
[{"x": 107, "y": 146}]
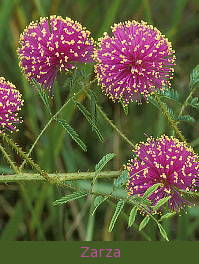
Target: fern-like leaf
[
  {"x": 70, "y": 197},
  {"x": 41, "y": 94},
  {"x": 101, "y": 164},
  {"x": 152, "y": 100},
  {"x": 190, "y": 194},
  {"x": 132, "y": 216},
  {"x": 167, "y": 215},
  {"x": 170, "y": 94},
  {"x": 72, "y": 78},
  {"x": 150, "y": 190},
  {"x": 194, "y": 102},
  {"x": 97, "y": 202},
  {"x": 163, "y": 232},
  {"x": 144, "y": 222},
  {"x": 121, "y": 180},
  {"x": 185, "y": 118},
  {"x": 86, "y": 113},
  {"x": 118, "y": 209},
  {"x": 93, "y": 107},
  {"x": 194, "y": 78},
  {"x": 160, "y": 203},
  {"x": 72, "y": 133}
]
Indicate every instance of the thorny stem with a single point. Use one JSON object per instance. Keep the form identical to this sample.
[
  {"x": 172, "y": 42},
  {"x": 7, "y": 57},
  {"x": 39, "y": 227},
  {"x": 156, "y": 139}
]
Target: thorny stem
[
  {"x": 110, "y": 122},
  {"x": 171, "y": 121},
  {"x": 114, "y": 127},
  {"x": 47, "y": 125},
  {"x": 24, "y": 155},
  {"x": 18, "y": 174},
  {"x": 58, "y": 177},
  {"x": 15, "y": 169}
]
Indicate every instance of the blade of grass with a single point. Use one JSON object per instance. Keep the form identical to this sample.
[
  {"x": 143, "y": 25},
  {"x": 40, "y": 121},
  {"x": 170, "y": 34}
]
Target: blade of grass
[
  {"x": 147, "y": 12},
  {"x": 110, "y": 16},
  {"x": 91, "y": 222},
  {"x": 6, "y": 9},
  {"x": 11, "y": 230}
]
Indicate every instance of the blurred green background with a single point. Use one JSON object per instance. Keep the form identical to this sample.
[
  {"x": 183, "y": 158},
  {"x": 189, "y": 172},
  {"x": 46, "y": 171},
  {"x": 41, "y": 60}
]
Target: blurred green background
[{"x": 26, "y": 210}]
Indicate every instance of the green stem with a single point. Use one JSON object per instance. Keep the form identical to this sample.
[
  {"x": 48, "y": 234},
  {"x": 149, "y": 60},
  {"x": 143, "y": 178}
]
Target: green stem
[
  {"x": 58, "y": 177},
  {"x": 186, "y": 101},
  {"x": 110, "y": 122},
  {"x": 114, "y": 127},
  {"x": 24, "y": 156},
  {"x": 171, "y": 121},
  {"x": 34, "y": 144},
  {"x": 194, "y": 194},
  {"x": 15, "y": 169},
  {"x": 46, "y": 126}
]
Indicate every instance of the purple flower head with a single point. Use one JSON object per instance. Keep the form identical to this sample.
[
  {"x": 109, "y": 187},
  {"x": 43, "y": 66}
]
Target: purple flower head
[
  {"x": 45, "y": 49},
  {"x": 167, "y": 161},
  {"x": 10, "y": 103},
  {"x": 136, "y": 61}
]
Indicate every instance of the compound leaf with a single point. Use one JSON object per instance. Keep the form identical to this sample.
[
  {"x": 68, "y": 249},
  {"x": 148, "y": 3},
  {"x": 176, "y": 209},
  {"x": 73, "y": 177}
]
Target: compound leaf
[
  {"x": 72, "y": 133},
  {"x": 70, "y": 197},
  {"x": 132, "y": 216},
  {"x": 118, "y": 209}
]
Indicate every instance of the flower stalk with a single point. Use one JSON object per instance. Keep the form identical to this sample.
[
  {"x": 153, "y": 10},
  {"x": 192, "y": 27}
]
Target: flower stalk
[
  {"x": 169, "y": 118},
  {"x": 104, "y": 115}
]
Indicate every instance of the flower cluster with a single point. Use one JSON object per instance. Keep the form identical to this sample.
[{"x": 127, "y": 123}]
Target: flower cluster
[
  {"x": 46, "y": 50},
  {"x": 136, "y": 61},
  {"x": 167, "y": 161},
  {"x": 10, "y": 103}
]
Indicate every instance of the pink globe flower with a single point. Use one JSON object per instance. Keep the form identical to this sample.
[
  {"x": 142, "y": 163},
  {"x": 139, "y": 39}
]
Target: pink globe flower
[
  {"x": 137, "y": 60},
  {"x": 10, "y": 103},
  {"x": 169, "y": 162},
  {"x": 44, "y": 50}
]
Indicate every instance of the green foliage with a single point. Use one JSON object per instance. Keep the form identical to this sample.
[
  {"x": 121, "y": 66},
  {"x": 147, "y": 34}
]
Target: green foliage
[
  {"x": 54, "y": 151},
  {"x": 121, "y": 180},
  {"x": 97, "y": 202},
  {"x": 170, "y": 94},
  {"x": 74, "y": 77},
  {"x": 144, "y": 222},
  {"x": 185, "y": 118},
  {"x": 194, "y": 102},
  {"x": 150, "y": 190},
  {"x": 194, "y": 78},
  {"x": 12, "y": 228},
  {"x": 102, "y": 163},
  {"x": 86, "y": 113},
  {"x": 125, "y": 107},
  {"x": 152, "y": 100},
  {"x": 163, "y": 232},
  {"x": 167, "y": 215},
  {"x": 173, "y": 95},
  {"x": 42, "y": 94},
  {"x": 118, "y": 209},
  {"x": 160, "y": 203},
  {"x": 70, "y": 197},
  {"x": 132, "y": 216},
  {"x": 72, "y": 133},
  {"x": 93, "y": 107}
]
